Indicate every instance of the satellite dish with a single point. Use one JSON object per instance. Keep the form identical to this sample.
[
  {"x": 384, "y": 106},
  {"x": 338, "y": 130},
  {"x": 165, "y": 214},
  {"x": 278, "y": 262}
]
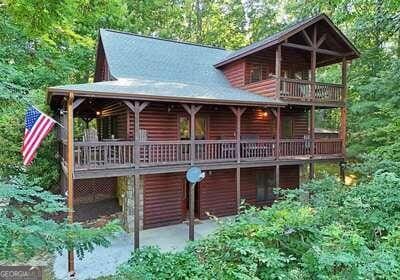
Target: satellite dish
[{"x": 195, "y": 175}]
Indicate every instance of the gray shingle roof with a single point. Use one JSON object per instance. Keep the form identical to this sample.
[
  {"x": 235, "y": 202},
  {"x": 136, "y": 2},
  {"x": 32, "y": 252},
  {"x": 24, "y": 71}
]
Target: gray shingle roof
[
  {"x": 133, "y": 56},
  {"x": 163, "y": 69},
  {"x": 168, "y": 90}
]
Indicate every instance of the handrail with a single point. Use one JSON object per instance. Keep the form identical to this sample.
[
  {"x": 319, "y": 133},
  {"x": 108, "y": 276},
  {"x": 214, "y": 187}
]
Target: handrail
[{"x": 120, "y": 154}]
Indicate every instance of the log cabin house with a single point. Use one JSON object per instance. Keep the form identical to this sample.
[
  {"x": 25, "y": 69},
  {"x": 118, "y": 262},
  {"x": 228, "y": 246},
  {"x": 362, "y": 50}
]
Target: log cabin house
[{"x": 245, "y": 117}]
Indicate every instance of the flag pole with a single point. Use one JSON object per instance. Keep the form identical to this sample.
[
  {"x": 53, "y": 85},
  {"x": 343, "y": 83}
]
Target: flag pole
[
  {"x": 48, "y": 116},
  {"x": 70, "y": 139}
]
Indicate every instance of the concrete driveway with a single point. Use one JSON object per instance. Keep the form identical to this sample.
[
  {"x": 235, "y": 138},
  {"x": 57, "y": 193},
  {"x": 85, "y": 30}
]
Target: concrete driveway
[{"x": 104, "y": 261}]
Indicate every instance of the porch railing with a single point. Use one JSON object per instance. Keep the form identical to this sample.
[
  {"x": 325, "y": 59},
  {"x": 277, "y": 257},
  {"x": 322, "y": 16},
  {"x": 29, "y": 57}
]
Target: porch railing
[
  {"x": 164, "y": 152},
  {"x": 92, "y": 155},
  {"x": 328, "y": 146},
  {"x": 215, "y": 150},
  {"x": 257, "y": 149},
  {"x": 105, "y": 155},
  {"x": 295, "y": 147}
]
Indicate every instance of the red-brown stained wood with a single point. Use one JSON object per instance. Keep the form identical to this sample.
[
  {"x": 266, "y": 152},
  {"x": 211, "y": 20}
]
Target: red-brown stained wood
[
  {"x": 257, "y": 124},
  {"x": 265, "y": 87},
  {"x": 300, "y": 118},
  {"x": 162, "y": 197},
  {"x": 217, "y": 193},
  {"x": 235, "y": 73},
  {"x": 157, "y": 122},
  {"x": 289, "y": 178}
]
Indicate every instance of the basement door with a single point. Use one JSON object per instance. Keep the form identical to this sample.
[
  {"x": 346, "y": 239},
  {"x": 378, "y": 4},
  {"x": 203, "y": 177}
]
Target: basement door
[{"x": 265, "y": 183}]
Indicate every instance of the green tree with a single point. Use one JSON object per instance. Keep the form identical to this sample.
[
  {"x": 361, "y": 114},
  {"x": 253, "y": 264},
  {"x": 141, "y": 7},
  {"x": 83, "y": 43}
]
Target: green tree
[{"x": 27, "y": 228}]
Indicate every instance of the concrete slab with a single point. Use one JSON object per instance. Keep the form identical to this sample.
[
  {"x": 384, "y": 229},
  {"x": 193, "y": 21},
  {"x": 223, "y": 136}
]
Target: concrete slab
[{"x": 104, "y": 261}]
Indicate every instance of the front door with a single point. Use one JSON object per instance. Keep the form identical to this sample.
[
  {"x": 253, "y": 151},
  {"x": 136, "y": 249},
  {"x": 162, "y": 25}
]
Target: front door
[{"x": 265, "y": 183}]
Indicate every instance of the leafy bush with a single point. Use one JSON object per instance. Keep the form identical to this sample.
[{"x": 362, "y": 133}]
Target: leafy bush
[
  {"x": 26, "y": 229},
  {"x": 341, "y": 232}
]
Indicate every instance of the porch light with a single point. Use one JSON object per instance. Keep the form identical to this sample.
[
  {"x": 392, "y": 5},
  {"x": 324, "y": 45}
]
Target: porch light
[
  {"x": 265, "y": 114},
  {"x": 98, "y": 113}
]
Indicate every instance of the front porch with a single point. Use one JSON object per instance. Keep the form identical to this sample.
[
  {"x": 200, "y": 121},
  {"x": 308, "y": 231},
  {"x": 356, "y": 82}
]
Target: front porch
[{"x": 106, "y": 155}]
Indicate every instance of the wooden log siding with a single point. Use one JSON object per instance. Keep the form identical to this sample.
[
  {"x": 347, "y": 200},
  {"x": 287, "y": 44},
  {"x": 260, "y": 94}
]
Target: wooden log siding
[
  {"x": 264, "y": 87},
  {"x": 163, "y": 194},
  {"x": 217, "y": 193},
  {"x": 289, "y": 178},
  {"x": 235, "y": 73}
]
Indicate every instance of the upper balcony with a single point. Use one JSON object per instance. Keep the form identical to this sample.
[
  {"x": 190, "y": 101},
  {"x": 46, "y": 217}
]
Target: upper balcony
[
  {"x": 288, "y": 65},
  {"x": 297, "y": 91}
]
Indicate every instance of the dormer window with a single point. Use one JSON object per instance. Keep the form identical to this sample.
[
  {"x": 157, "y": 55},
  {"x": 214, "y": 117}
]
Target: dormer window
[{"x": 255, "y": 73}]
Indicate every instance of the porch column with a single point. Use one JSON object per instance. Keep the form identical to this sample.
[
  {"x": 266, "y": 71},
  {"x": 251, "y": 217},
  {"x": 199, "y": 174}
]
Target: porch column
[
  {"x": 342, "y": 171},
  {"x": 312, "y": 112},
  {"x": 70, "y": 170},
  {"x": 238, "y": 113},
  {"x": 313, "y": 64},
  {"x": 312, "y": 140},
  {"x": 136, "y": 108},
  {"x": 278, "y": 148},
  {"x": 343, "y": 119},
  {"x": 192, "y": 110},
  {"x": 278, "y": 60},
  {"x": 278, "y": 133},
  {"x": 343, "y": 109}
]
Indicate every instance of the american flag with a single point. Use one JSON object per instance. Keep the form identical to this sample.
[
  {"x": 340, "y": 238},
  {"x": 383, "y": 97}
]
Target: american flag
[{"x": 37, "y": 127}]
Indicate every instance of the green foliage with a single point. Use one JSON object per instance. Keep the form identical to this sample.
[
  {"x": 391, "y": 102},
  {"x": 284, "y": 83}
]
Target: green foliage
[
  {"x": 341, "y": 232},
  {"x": 26, "y": 229}
]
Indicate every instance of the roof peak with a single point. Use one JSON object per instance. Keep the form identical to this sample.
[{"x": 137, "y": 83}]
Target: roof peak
[{"x": 161, "y": 39}]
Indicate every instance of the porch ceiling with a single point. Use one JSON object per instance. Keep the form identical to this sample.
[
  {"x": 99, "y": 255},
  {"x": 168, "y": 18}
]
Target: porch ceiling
[{"x": 145, "y": 89}]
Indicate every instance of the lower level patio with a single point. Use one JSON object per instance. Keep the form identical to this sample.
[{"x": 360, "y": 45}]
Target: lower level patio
[{"x": 104, "y": 261}]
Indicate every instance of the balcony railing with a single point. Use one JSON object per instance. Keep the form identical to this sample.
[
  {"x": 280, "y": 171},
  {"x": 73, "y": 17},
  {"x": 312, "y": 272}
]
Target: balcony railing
[
  {"x": 121, "y": 154},
  {"x": 300, "y": 90}
]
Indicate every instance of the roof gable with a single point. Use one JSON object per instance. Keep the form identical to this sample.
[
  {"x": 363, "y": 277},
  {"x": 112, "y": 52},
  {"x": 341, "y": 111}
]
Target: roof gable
[
  {"x": 134, "y": 56},
  {"x": 287, "y": 33}
]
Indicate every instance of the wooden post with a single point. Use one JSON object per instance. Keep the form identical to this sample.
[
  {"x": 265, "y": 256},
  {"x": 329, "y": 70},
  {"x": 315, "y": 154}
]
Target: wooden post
[
  {"x": 278, "y": 133},
  {"x": 312, "y": 131},
  {"x": 136, "y": 212},
  {"x": 277, "y": 176},
  {"x": 70, "y": 179},
  {"x": 192, "y": 111},
  {"x": 238, "y": 113},
  {"x": 136, "y": 108},
  {"x": 278, "y": 59},
  {"x": 312, "y": 171},
  {"x": 313, "y": 63},
  {"x": 191, "y": 211},
  {"x": 342, "y": 167},
  {"x": 343, "y": 109}
]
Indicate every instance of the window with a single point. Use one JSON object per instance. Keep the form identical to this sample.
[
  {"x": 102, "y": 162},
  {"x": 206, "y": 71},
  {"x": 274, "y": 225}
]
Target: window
[
  {"x": 201, "y": 124},
  {"x": 200, "y": 128},
  {"x": 265, "y": 183},
  {"x": 287, "y": 127},
  {"x": 108, "y": 127},
  {"x": 255, "y": 73},
  {"x": 184, "y": 129}
]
